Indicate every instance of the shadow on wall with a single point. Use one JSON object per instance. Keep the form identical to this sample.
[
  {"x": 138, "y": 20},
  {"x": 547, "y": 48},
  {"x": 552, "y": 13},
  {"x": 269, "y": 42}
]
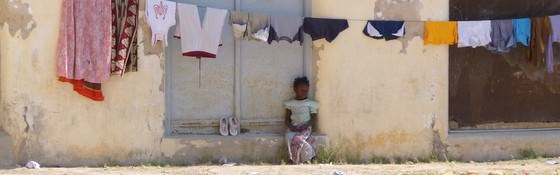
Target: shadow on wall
[
  {"x": 6, "y": 151},
  {"x": 17, "y": 15}
]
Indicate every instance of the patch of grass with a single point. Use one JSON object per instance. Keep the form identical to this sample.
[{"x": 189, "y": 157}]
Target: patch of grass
[
  {"x": 152, "y": 164},
  {"x": 111, "y": 163},
  {"x": 425, "y": 159},
  {"x": 398, "y": 160},
  {"x": 527, "y": 153},
  {"x": 380, "y": 160},
  {"x": 282, "y": 154},
  {"x": 453, "y": 158},
  {"x": 205, "y": 159},
  {"x": 329, "y": 155},
  {"x": 434, "y": 158},
  {"x": 343, "y": 154},
  {"x": 183, "y": 164}
]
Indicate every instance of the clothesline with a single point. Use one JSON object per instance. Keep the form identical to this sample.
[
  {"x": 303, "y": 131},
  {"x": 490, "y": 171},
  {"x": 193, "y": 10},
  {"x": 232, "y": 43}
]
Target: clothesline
[
  {"x": 365, "y": 20},
  {"x": 498, "y": 36}
]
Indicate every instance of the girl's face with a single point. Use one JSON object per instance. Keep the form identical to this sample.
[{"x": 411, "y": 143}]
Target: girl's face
[{"x": 301, "y": 91}]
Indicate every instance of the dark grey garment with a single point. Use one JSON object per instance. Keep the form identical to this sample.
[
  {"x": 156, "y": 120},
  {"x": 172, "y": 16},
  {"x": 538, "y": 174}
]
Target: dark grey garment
[
  {"x": 324, "y": 28},
  {"x": 287, "y": 28},
  {"x": 502, "y": 36}
]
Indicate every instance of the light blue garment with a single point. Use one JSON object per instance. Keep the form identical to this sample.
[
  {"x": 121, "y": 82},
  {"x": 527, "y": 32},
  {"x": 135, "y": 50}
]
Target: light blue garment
[
  {"x": 522, "y": 30},
  {"x": 301, "y": 110}
]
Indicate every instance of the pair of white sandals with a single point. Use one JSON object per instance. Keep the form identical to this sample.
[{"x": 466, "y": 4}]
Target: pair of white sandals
[{"x": 229, "y": 126}]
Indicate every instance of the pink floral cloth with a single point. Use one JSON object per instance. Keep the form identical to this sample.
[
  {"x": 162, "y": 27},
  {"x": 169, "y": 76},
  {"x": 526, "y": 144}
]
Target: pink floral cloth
[
  {"x": 84, "y": 46},
  {"x": 301, "y": 145}
]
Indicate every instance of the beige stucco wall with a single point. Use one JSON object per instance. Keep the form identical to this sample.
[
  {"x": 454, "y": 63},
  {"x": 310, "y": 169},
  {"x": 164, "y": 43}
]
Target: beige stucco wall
[
  {"x": 52, "y": 124},
  {"x": 376, "y": 100},
  {"x": 357, "y": 78}
]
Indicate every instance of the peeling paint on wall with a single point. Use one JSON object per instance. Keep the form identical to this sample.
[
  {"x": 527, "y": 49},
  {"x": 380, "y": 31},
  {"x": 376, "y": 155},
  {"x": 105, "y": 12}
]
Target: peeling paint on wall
[
  {"x": 413, "y": 29},
  {"x": 402, "y": 10},
  {"x": 27, "y": 124},
  {"x": 398, "y": 9},
  {"x": 46, "y": 122},
  {"x": 356, "y": 85},
  {"x": 149, "y": 49},
  {"x": 146, "y": 31},
  {"x": 315, "y": 67},
  {"x": 17, "y": 15}
]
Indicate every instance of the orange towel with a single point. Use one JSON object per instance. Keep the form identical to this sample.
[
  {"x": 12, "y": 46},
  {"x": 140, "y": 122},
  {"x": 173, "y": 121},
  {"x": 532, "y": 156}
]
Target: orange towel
[
  {"x": 86, "y": 89},
  {"x": 440, "y": 33}
]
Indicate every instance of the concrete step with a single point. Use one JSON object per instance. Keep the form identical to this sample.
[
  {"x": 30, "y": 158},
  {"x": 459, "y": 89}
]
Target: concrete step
[
  {"x": 6, "y": 151},
  {"x": 494, "y": 145},
  {"x": 245, "y": 148}
]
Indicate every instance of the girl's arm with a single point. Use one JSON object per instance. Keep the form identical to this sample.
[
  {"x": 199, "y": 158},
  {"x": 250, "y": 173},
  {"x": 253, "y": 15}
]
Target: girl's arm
[{"x": 288, "y": 120}]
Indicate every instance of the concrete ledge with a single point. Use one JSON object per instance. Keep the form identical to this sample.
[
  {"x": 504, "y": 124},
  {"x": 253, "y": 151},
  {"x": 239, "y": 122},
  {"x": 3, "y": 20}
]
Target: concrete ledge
[
  {"x": 495, "y": 145},
  {"x": 246, "y": 148},
  {"x": 6, "y": 151}
]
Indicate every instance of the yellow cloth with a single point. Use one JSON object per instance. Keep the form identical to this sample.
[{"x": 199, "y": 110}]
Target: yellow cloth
[{"x": 440, "y": 33}]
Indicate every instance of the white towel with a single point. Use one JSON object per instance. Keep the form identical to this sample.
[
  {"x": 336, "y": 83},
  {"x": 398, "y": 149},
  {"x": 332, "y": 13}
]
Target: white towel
[
  {"x": 200, "y": 39},
  {"x": 474, "y": 33}
]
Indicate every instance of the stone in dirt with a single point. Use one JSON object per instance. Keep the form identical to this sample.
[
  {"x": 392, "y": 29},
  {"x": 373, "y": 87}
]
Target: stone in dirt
[
  {"x": 496, "y": 173},
  {"x": 33, "y": 165},
  {"x": 338, "y": 172},
  {"x": 449, "y": 173},
  {"x": 472, "y": 173}
]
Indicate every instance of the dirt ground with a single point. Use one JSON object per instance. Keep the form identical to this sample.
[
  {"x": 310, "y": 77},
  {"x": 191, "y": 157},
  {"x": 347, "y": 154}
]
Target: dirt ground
[{"x": 522, "y": 167}]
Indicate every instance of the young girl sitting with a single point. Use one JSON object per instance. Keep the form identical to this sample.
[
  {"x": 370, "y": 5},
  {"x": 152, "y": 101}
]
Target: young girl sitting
[{"x": 301, "y": 114}]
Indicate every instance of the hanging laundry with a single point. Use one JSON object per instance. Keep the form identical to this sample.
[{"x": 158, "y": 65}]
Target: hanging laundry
[
  {"x": 200, "y": 39},
  {"x": 259, "y": 27},
  {"x": 474, "y": 33},
  {"x": 554, "y": 37},
  {"x": 84, "y": 46},
  {"x": 502, "y": 36},
  {"x": 286, "y": 28},
  {"x": 125, "y": 37},
  {"x": 390, "y": 30},
  {"x": 522, "y": 30},
  {"x": 239, "y": 22},
  {"x": 540, "y": 32},
  {"x": 440, "y": 33},
  {"x": 321, "y": 28},
  {"x": 161, "y": 16}
]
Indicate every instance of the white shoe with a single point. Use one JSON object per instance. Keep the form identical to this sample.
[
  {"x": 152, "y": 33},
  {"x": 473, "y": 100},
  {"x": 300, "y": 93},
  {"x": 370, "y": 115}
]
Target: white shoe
[
  {"x": 224, "y": 126},
  {"x": 233, "y": 124}
]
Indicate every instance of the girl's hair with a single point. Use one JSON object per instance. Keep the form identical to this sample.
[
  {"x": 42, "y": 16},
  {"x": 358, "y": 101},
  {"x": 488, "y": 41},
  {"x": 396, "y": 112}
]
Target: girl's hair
[{"x": 301, "y": 81}]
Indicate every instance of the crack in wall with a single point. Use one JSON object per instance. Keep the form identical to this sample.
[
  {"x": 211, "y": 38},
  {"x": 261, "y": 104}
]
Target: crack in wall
[
  {"x": 439, "y": 148},
  {"x": 27, "y": 126}
]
